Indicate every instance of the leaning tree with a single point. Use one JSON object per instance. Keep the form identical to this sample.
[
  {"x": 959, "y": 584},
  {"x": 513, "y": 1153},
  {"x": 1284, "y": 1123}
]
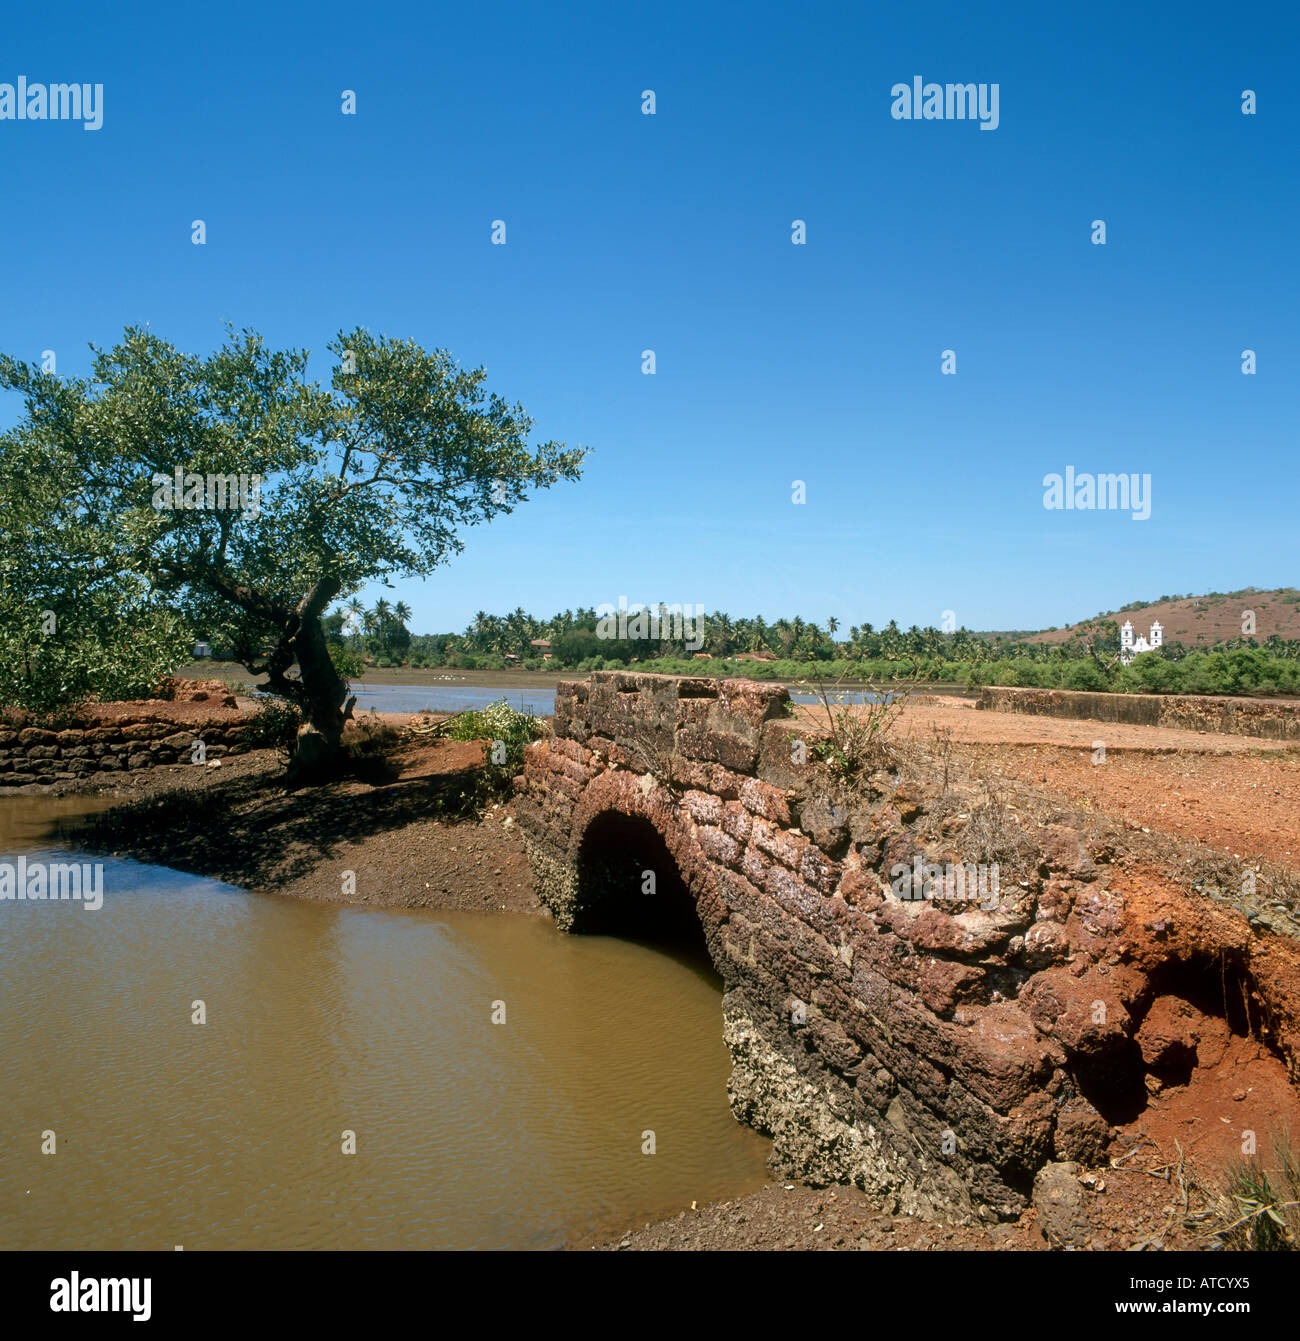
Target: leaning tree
[{"x": 250, "y": 498}]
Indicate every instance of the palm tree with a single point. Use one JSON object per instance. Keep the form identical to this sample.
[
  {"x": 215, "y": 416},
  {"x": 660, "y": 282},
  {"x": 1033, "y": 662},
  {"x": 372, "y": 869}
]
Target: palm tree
[
  {"x": 355, "y": 609},
  {"x": 720, "y": 631}
]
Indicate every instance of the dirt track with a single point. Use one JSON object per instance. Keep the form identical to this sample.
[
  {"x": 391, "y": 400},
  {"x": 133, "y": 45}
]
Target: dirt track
[
  {"x": 970, "y": 725},
  {"x": 1239, "y": 794}
]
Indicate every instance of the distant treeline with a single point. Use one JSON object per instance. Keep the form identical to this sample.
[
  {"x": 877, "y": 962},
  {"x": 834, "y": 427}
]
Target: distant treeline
[
  {"x": 1240, "y": 671},
  {"x": 796, "y": 649}
]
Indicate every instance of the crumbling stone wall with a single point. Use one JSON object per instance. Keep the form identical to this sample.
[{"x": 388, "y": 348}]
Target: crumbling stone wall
[
  {"x": 31, "y": 754},
  {"x": 1273, "y": 719},
  {"x": 934, "y": 1053}
]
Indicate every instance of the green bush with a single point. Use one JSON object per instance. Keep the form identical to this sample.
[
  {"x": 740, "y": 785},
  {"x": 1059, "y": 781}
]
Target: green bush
[
  {"x": 347, "y": 663},
  {"x": 107, "y": 644},
  {"x": 1085, "y": 675},
  {"x": 498, "y": 724},
  {"x": 1149, "y": 673},
  {"x": 273, "y": 725}
]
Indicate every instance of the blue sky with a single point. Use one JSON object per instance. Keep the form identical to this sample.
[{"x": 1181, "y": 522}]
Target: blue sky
[{"x": 672, "y": 232}]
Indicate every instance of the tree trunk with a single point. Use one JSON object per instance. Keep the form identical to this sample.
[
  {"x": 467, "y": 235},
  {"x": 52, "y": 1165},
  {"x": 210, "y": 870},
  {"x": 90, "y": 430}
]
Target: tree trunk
[{"x": 322, "y": 699}]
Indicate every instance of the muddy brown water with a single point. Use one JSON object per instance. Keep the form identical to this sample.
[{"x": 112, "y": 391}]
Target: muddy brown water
[{"x": 323, "y": 1020}]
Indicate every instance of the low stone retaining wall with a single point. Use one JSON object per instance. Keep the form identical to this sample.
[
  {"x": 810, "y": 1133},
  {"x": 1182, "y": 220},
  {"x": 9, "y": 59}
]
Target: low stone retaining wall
[
  {"x": 1272, "y": 719},
  {"x": 33, "y": 754}
]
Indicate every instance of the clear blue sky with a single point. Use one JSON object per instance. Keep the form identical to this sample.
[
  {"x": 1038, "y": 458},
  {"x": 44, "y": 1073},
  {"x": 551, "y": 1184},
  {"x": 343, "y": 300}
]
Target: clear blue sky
[{"x": 775, "y": 362}]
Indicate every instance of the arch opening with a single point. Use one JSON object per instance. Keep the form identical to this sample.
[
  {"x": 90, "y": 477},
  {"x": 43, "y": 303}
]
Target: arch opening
[{"x": 629, "y": 886}]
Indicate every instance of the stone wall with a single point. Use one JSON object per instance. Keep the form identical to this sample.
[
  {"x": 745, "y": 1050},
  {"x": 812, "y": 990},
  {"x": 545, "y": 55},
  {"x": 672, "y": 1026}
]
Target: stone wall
[
  {"x": 937, "y": 1054},
  {"x": 95, "y": 750},
  {"x": 1274, "y": 719}
]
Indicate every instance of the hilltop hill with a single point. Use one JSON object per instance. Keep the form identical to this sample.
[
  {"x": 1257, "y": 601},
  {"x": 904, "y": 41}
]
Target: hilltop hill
[{"x": 1197, "y": 621}]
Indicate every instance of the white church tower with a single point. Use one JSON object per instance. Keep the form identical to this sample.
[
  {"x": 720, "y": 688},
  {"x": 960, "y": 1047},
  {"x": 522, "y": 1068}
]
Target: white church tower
[{"x": 1129, "y": 647}]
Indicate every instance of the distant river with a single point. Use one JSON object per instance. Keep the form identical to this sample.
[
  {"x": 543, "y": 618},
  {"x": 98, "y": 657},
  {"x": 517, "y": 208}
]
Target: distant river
[
  {"x": 453, "y": 697},
  {"x": 449, "y": 697},
  {"x": 469, "y": 1134}
]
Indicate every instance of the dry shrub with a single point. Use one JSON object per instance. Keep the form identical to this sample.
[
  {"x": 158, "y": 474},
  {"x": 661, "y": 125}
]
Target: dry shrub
[
  {"x": 857, "y": 740},
  {"x": 1259, "y": 1209},
  {"x": 368, "y": 737}
]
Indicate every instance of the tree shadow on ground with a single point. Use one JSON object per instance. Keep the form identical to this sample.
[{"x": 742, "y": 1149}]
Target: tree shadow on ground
[{"x": 253, "y": 832}]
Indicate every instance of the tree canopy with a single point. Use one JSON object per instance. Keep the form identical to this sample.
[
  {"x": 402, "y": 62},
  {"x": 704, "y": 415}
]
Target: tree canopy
[{"x": 290, "y": 494}]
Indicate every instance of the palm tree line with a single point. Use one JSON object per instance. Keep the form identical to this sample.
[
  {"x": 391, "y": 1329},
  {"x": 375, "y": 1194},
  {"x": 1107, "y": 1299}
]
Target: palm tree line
[
  {"x": 516, "y": 634},
  {"x": 382, "y": 632},
  {"x": 381, "y": 629}
]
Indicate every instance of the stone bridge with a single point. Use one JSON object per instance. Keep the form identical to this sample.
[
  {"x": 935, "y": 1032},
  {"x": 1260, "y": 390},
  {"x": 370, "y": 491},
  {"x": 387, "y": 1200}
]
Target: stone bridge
[{"x": 935, "y": 1052}]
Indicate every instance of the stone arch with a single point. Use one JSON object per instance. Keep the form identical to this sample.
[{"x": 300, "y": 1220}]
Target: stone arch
[
  {"x": 624, "y": 826},
  {"x": 629, "y": 885}
]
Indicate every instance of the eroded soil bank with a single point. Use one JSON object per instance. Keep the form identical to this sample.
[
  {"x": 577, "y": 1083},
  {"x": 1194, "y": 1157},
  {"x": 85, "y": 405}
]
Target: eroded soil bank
[{"x": 392, "y": 832}]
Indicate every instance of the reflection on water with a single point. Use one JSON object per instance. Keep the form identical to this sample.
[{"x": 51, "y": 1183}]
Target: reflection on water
[{"x": 323, "y": 1019}]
